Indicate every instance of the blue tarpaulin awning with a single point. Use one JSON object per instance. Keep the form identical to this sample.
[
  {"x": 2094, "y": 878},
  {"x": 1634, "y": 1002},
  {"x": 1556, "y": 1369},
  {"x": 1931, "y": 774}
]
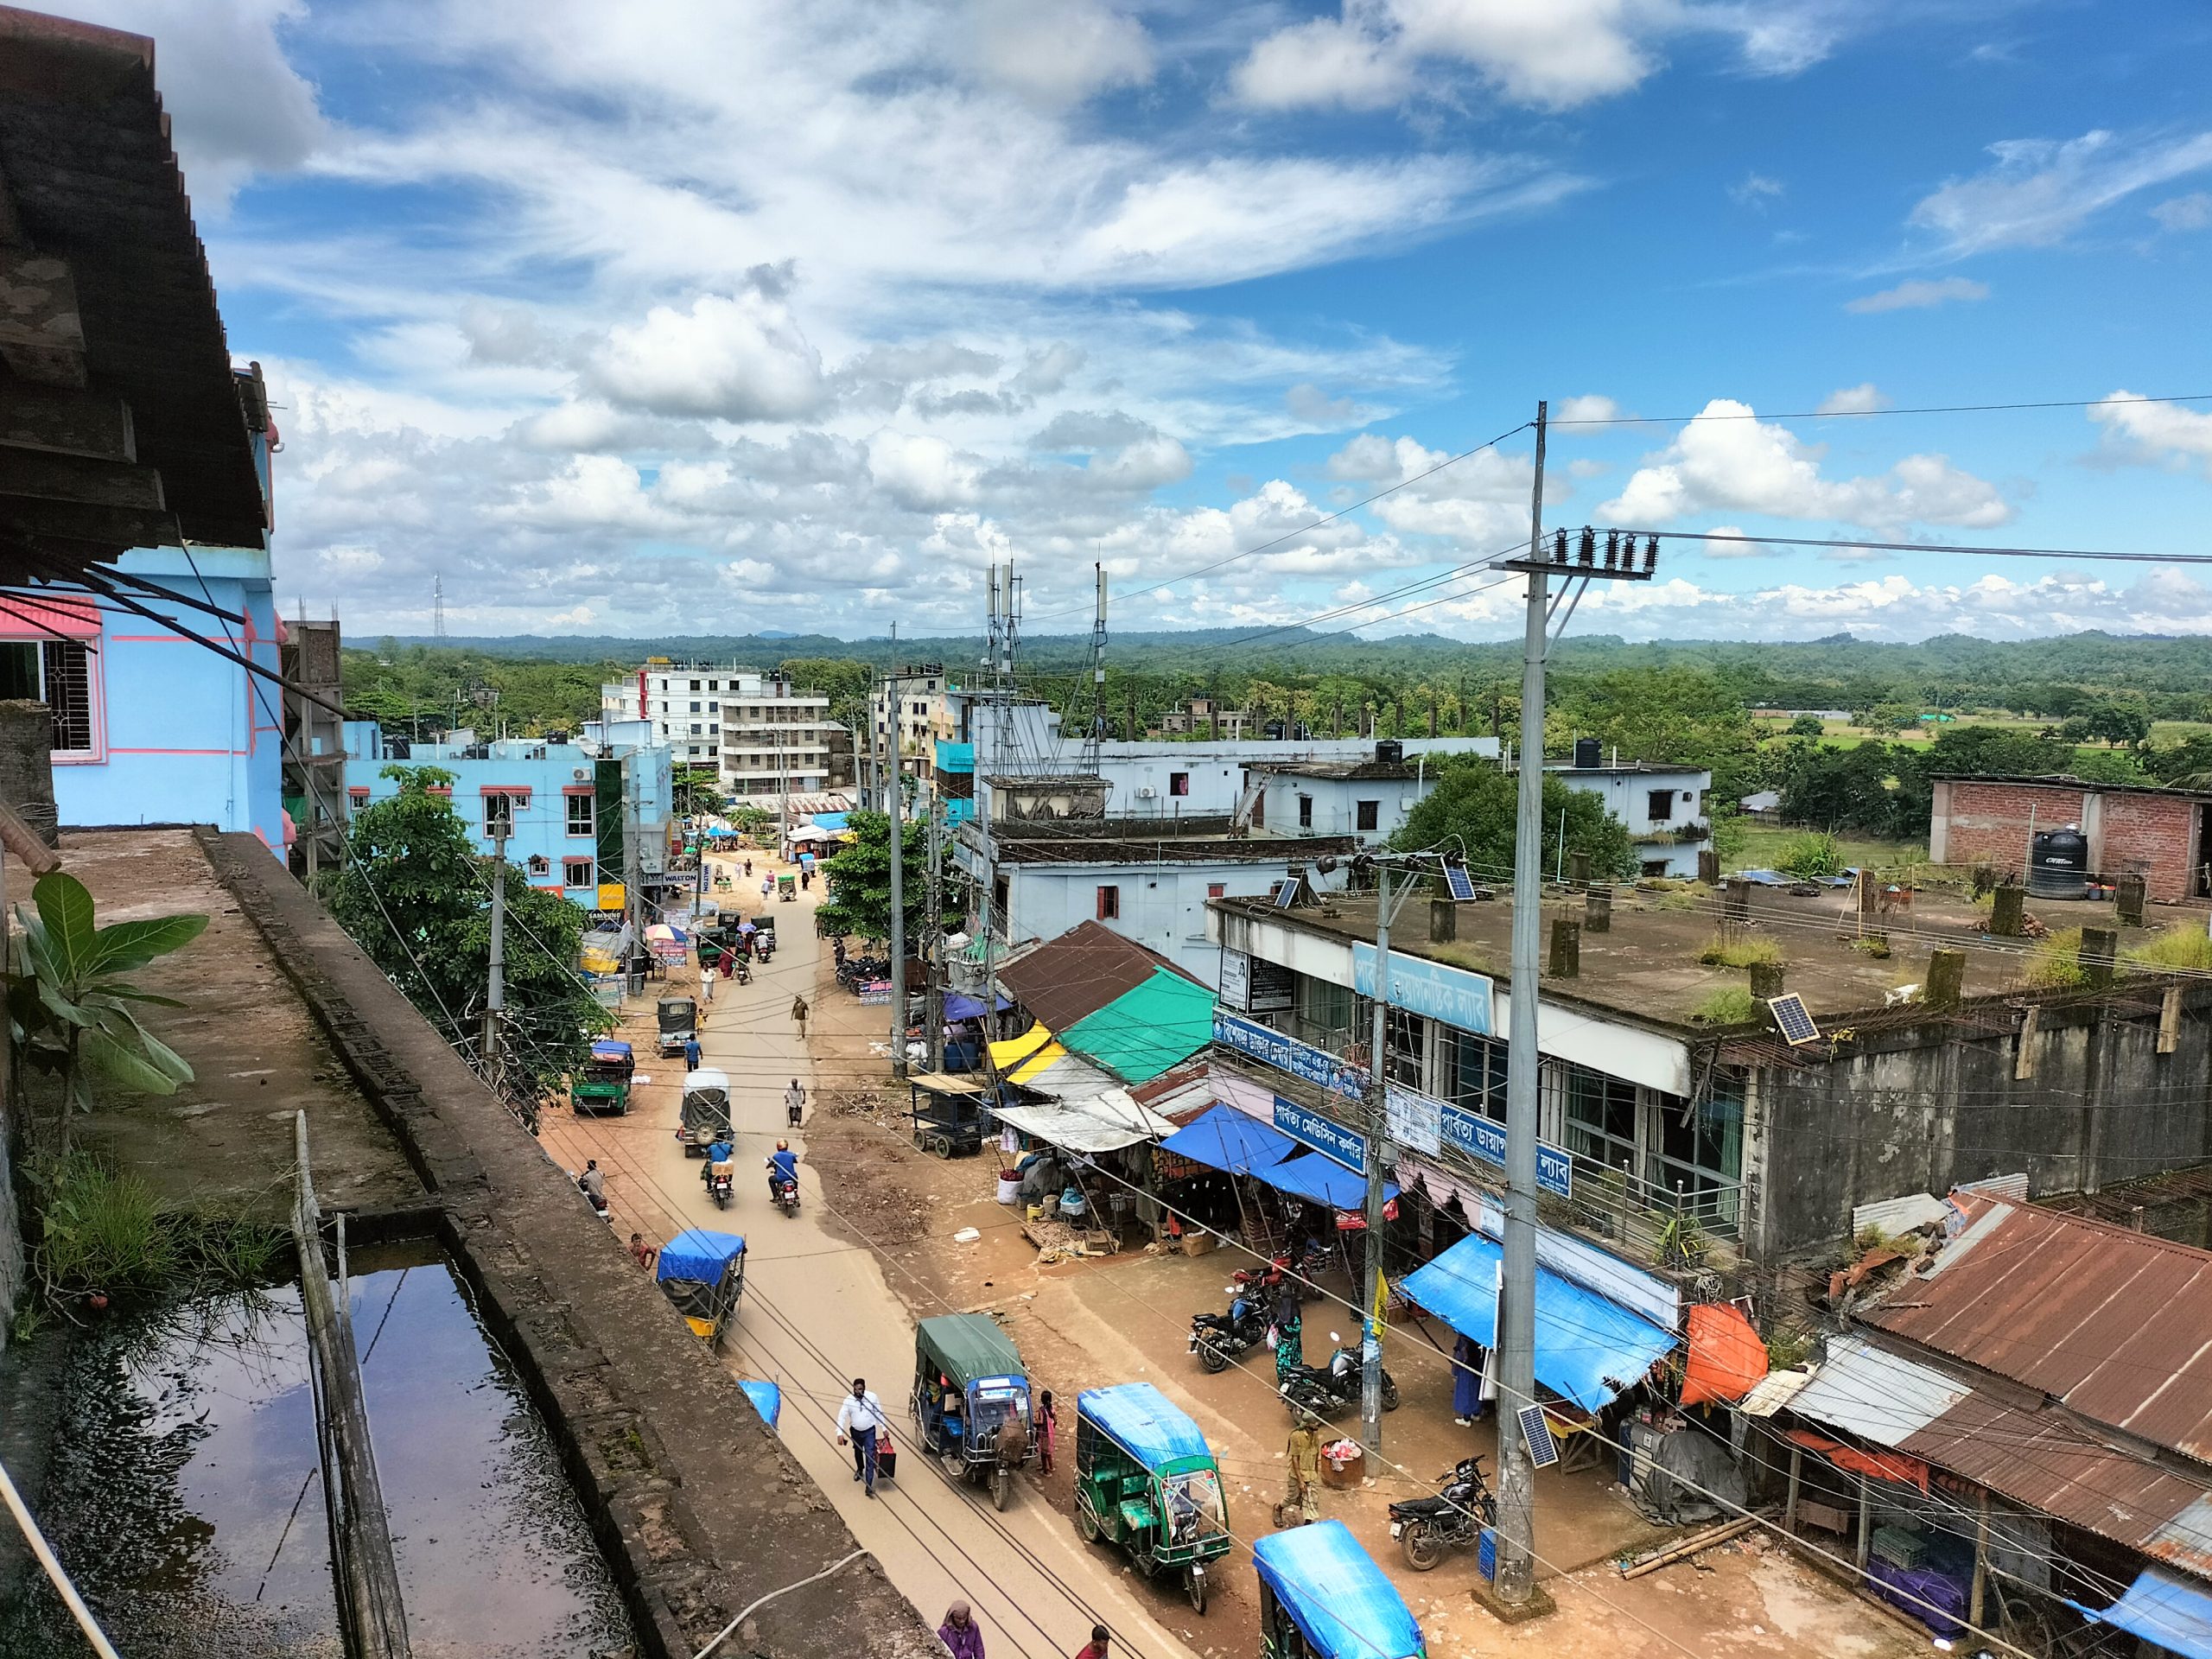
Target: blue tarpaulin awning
[
  {"x": 1588, "y": 1348},
  {"x": 2165, "y": 1608},
  {"x": 1336, "y": 1595},
  {"x": 1225, "y": 1138},
  {"x": 1323, "y": 1180},
  {"x": 767, "y": 1399},
  {"x": 835, "y": 821},
  {"x": 961, "y": 1007},
  {"x": 700, "y": 1253}
]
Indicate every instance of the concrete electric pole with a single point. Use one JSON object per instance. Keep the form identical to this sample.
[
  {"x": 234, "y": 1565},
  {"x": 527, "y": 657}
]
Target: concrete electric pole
[
  {"x": 495, "y": 989},
  {"x": 897, "y": 810},
  {"x": 1371, "y": 1349}
]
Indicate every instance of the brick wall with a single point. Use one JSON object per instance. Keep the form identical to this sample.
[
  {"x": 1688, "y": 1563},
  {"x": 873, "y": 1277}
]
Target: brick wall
[{"x": 1988, "y": 822}]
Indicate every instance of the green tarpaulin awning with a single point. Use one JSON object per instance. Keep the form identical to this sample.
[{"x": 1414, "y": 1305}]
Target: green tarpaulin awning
[{"x": 1144, "y": 1031}]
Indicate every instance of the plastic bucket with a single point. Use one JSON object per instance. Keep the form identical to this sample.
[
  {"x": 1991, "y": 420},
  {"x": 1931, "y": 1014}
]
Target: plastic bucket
[{"x": 1051, "y": 1207}]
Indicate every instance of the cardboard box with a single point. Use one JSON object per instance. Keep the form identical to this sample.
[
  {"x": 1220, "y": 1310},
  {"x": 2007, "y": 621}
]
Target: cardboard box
[{"x": 1199, "y": 1243}]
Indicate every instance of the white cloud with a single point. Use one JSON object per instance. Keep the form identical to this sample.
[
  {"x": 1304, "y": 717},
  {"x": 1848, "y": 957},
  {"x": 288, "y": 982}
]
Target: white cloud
[
  {"x": 1307, "y": 403},
  {"x": 1861, "y": 399},
  {"x": 1592, "y": 406},
  {"x": 2173, "y": 434},
  {"x": 1715, "y": 547},
  {"x": 1755, "y": 190},
  {"x": 740, "y": 356},
  {"x": 1059, "y": 54},
  {"x": 2041, "y": 191},
  {"x": 1479, "y": 502},
  {"x": 921, "y": 471},
  {"x": 1727, "y": 460},
  {"x": 1919, "y": 293},
  {"x": 2190, "y": 213}
]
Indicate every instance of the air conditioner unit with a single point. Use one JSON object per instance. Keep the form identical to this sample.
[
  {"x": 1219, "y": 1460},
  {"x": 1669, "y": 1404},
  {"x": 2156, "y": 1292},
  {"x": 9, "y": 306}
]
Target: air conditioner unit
[
  {"x": 1146, "y": 793},
  {"x": 582, "y": 774}
]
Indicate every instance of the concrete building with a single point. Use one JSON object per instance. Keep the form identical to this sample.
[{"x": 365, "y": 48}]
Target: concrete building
[
  {"x": 1659, "y": 1118},
  {"x": 1366, "y": 799},
  {"x": 763, "y": 736},
  {"x": 1663, "y": 808},
  {"x": 569, "y": 807},
  {"x": 2157, "y": 833},
  {"x": 908, "y": 724},
  {"x": 1206, "y": 716}
]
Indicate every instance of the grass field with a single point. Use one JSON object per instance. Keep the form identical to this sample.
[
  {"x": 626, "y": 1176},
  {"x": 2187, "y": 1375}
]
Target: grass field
[{"x": 1763, "y": 844}]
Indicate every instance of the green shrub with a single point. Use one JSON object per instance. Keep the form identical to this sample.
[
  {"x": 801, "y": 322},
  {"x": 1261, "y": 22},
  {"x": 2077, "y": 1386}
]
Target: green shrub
[
  {"x": 1744, "y": 952},
  {"x": 98, "y": 1231},
  {"x": 1810, "y": 858},
  {"x": 2186, "y": 946},
  {"x": 1731, "y": 1005},
  {"x": 2056, "y": 963}
]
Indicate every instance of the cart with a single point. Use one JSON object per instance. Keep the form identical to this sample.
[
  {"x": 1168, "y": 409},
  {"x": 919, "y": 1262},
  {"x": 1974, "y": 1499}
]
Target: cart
[
  {"x": 602, "y": 1084},
  {"x": 947, "y": 1113},
  {"x": 787, "y": 887},
  {"x": 703, "y": 1272},
  {"x": 1145, "y": 1479}
]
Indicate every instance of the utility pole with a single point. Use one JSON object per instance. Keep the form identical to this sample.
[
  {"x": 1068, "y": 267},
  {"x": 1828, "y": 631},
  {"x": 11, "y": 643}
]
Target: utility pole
[
  {"x": 495, "y": 991},
  {"x": 933, "y": 998},
  {"x": 1378, "y": 1061},
  {"x": 633, "y": 905},
  {"x": 1517, "y": 1321},
  {"x": 1097, "y": 732},
  {"x": 897, "y": 887}
]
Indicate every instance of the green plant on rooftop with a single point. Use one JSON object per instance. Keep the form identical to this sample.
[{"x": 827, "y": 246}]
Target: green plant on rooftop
[
  {"x": 1731, "y": 1005},
  {"x": 2054, "y": 964},
  {"x": 1474, "y": 804},
  {"x": 2187, "y": 947},
  {"x": 72, "y": 1007},
  {"x": 1747, "y": 951},
  {"x": 1811, "y": 858}
]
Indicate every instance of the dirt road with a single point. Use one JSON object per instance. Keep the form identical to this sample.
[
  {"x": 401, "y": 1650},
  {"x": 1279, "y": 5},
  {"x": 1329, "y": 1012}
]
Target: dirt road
[{"x": 817, "y": 1312}]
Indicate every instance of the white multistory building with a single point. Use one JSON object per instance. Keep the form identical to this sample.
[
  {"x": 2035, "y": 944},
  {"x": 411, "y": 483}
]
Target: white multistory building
[{"x": 764, "y": 738}]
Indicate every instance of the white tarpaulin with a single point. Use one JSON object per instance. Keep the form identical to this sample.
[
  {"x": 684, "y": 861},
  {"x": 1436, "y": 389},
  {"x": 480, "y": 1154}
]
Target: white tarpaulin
[{"x": 1100, "y": 1123}]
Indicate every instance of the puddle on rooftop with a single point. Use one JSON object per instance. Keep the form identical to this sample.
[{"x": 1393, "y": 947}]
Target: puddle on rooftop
[{"x": 186, "y": 1500}]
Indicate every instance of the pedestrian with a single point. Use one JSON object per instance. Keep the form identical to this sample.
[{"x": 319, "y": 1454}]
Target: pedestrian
[
  {"x": 859, "y": 1420},
  {"x": 1097, "y": 1649},
  {"x": 962, "y": 1635},
  {"x": 593, "y": 1183},
  {"x": 798, "y": 1016},
  {"x": 837, "y": 951},
  {"x": 1290, "y": 1340},
  {"x": 1048, "y": 1425},
  {"x": 707, "y": 981},
  {"x": 767, "y": 889},
  {"x": 1467, "y": 1364},
  {"x": 748, "y": 868},
  {"x": 1301, "y": 1474},
  {"x": 642, "y": 1253},
  {"x": 692, "y": 1051},
  {"x": 794, "y": 1105}
]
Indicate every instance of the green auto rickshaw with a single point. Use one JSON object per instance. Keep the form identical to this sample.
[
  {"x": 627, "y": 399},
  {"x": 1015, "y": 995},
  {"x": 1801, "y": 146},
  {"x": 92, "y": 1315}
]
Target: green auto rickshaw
[
  {"x": 603, "y": 1083},
  {"x": 1146, "y": 1479},
  {"x": 971, "y": 1400}
]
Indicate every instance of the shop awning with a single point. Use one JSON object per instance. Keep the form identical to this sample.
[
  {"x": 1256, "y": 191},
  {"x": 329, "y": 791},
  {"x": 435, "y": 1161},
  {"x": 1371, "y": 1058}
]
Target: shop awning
[
  {"x": 958, "y": 1007},
  {"x": 1100, "y": 1123},
  {"x": 1225, "y": 1138},
  {"x": 2164, "y": 1608},
  {"x": 1588, "y": 1348},
  {"x": 1144, "y": 1031},
  {"x": 1321, "y": 1180}
]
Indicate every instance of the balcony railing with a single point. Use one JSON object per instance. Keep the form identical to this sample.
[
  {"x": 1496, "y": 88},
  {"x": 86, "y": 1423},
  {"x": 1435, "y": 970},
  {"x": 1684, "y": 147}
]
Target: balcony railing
[{"x": 1675, "y": 1226}]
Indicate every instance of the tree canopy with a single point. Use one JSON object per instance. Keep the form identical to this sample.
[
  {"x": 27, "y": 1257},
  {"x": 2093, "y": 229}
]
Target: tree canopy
[
  {"x": 859, "y": 876},
  {"x": 1472, "y": 809}
]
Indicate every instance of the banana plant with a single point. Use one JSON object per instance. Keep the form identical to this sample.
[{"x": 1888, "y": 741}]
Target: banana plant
[{"x": 72, "y": 1008}]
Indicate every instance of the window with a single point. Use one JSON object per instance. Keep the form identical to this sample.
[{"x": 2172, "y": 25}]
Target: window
[
  {"x": 583, "y": 818},
  {"x": 1217, "y": 889},
  {"x": 1110, "y": 904},
  {"x": 1369, "y": 814},
  {"x": 579, "y": 873},
  {"x": 695, "y": 724},
  {"x": 1661, "y": 806},
  {"x": 59, "y": 674},
  {"x": 1406, "y": 1034},
  {"x": 1476, "y": 1077},
  {"x": 1179, "y": 783},
  {"x": 1601, "y": 1118},
  {"x": 695, "y": 702},
  {"x": 714, "y": 685},
  {"x": 500, "y": 806},
  {"x": 358, "y": 795},
  {"x": 695, "y": 685},
  {"x": 538, "y": 864},
  {"x": 1305, "y": 812},
  {"x": 1321, "y": 1013}
]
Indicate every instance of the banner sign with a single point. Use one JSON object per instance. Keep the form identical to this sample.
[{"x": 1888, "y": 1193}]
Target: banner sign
[
  {"x": 1414, "y": 1120},
  {"x": 1235, "y": 981},
  {"x": 1289, "y": 1056},
  {"x": 1452, "y": 995},
  {"x": 1272, "y": 987},
  {"x": 1324, "y": 1134}
]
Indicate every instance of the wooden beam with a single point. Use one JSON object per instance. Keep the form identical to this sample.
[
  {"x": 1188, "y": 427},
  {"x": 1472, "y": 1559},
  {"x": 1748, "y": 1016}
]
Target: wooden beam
[
  {"x": 44, "y": 476},
  {"x": 68, "y": 422},
  {"x": 42, "y": 334},
  {"x": 111, "y": 527}
]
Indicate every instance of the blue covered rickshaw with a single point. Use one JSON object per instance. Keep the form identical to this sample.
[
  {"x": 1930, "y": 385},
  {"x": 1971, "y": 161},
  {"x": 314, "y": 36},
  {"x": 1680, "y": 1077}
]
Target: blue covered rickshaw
[
  {"x": 1146, "y": 1479},
  {"x": 1322, "y": 1597},
  {"x": 703, "y": 1272}
]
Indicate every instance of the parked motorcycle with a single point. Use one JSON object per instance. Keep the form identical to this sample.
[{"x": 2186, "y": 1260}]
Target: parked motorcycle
[
  {"x": 1425, "y": 1527},
  {"x": 787, "y": 1196},
  {"x": 1216, "y": 1338},
  {"x": 1325, "y": 1390}
]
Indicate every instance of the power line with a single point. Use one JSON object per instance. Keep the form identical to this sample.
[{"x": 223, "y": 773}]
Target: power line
[{"x": 1919, "y": 547}]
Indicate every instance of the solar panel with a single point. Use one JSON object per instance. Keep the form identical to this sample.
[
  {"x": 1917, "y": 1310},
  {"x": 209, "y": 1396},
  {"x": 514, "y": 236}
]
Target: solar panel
[
  {"x": 1286, "y": 894},
  {"x": 1458, "y": 883},
  {"x": 1790, "y": 1018},
  {"x": 1537, "y": 1429}
]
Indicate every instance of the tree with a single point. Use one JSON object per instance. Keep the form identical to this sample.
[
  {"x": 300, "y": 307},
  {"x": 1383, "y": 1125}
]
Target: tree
[
  {"x": 1832, "y": 788},
  {"x": 2188, "y": 763},
  {"x": 1806, "y": 725},
  {"x": 1471, "y": 810},
  {"x": 2116, "y": 721},
  {"x": 416, "y": 895},
  {"x": 696, "y": 791},
  {"x": 858, "y": 880},
  {"x": 70, "y": 1003}
]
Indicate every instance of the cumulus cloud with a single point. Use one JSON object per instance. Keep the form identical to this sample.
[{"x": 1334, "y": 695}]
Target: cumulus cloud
[
  {"x": 922, "y": 472},
  {"x": 2164, "y": 434},
  {"x": 1918, "y": 295},
  {"x": 1727, "y": 460},
  {"x": 1309, "y": 404},
  {"x": 1718, "y": 544},
  {"x": 1477, "y": 501},
  {"x": 1589, "y": 407},
  {"x": 1861, "y": 399},
  {"x": 735, "y": 357},
  {"x": 1059, "y": 54},
  {"x": 2040, "y": 191}
]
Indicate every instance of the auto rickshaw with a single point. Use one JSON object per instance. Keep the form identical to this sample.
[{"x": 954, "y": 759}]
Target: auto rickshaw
[
  {"x": 1146, "y": 1479},
  {"x": 786, "y": 887},
  {"x": 971, "y": 1400},
  {"x": 679, "y": 1022},
  {"x": 1322, "y": 1597},
  {"x": 703, "y": 1274},
  {"x": 603, "y": 1083},
  {"x": 706, "y": 1110}
]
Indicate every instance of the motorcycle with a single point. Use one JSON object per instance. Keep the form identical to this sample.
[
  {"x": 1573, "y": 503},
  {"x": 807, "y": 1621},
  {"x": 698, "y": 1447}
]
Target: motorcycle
[
  {"x": 1216, "y": 1338},
  {"x": 787, "y": 1196},
  {"x": 718, "y": 1187},
  {"x": 1325, "y": 1390},
  {"x": 1425, "y": 1527},
  {"x": 744, "y": 971}
]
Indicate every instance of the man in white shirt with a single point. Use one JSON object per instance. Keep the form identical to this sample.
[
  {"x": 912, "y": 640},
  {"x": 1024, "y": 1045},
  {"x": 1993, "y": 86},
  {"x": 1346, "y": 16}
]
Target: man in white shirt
[{"x": 859, "y": 1420}]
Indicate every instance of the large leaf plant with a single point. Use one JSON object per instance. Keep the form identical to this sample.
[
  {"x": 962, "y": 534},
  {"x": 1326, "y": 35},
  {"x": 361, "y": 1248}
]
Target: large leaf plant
[{"x": 71, "y": 1008}]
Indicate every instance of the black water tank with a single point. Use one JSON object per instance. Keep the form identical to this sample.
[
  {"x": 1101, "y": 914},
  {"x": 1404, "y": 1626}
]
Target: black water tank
[
  {"x": 1389, "y": 752},
  {"x": 2058, "y": 863},
  {"x": 1589, "y": 755}
]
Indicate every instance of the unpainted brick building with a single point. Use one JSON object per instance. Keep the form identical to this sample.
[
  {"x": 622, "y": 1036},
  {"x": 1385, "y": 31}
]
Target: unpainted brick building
[{"x": 2158, "y": 832}]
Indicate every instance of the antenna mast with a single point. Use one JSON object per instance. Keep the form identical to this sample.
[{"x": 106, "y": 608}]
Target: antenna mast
[
  {"x": 438, "y": 607},
  {"x": 1097, "y": 729}
]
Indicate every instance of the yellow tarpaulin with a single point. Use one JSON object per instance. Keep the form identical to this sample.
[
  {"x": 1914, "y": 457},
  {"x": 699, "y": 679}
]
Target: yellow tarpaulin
[{"x": 1024, "y": 1057}]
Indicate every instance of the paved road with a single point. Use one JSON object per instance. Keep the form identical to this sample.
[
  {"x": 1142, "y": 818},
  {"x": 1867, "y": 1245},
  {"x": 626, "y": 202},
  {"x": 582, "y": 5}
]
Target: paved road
[{"x": 817, "y": 1312}]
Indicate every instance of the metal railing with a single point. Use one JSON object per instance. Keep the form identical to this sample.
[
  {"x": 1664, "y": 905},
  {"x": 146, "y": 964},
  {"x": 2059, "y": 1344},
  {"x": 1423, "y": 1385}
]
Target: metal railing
[{"x": 1675, "y": 1226}]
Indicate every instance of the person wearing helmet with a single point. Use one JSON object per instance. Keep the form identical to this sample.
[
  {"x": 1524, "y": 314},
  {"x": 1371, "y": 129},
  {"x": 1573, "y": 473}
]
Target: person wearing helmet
[{"x": 783, "y": 1165}]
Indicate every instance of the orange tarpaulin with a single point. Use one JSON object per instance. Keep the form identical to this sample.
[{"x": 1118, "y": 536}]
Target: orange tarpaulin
[
  {"x": 1726, "y": 1356},
  {"x": 1882, "y": 1466}
]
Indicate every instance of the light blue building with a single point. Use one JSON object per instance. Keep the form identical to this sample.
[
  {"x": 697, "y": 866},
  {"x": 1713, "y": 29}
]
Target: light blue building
[{"x": 569, "y": 806}]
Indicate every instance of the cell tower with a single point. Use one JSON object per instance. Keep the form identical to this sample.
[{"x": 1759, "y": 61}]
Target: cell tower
[
  {"x": 1096, "y": 732},
  {"x": 438, "y": 607}
]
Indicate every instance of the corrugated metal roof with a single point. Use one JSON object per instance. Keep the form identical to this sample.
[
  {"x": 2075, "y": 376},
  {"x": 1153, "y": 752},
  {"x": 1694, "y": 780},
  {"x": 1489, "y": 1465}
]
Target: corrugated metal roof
[
  {"x": 1772, "y": 1392},
  {"x": 2117, "y": 1325},
  {"x": 1897, "y": 1217},
  {"x": 1080, "y": 972},
  {"x": 1875, "y": 1393}
]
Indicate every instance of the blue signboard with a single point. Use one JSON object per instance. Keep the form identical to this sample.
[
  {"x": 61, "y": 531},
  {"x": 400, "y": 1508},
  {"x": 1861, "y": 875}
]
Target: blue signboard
[
  {"x": 1326, "y": 1135},
  {"x": 1483, "y": 1138},
  {"x": 1452, "y": 995},
  {"x": 1289, "y": 1056}
]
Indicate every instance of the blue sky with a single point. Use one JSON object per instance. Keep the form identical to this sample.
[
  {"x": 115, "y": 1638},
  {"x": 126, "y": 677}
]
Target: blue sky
[{"x": 705, "y": 316}]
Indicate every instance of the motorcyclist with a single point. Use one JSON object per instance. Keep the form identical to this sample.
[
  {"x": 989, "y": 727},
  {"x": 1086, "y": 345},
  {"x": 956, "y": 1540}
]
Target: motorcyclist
[
  {"x": 783, "y": 1165},
  {"x": 719, "y": 1153}
]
